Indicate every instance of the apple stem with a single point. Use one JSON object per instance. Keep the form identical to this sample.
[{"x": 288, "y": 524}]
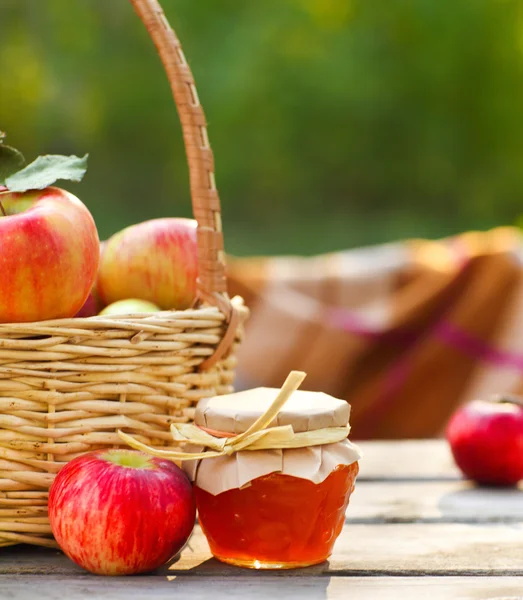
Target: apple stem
[
  {"x": 2, "y": 209},
  {"x": 508, "y": 399}
]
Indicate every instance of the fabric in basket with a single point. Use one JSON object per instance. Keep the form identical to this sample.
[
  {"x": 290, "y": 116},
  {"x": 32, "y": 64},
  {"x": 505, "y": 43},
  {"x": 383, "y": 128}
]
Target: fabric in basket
[{"x": 405, "y": 332}]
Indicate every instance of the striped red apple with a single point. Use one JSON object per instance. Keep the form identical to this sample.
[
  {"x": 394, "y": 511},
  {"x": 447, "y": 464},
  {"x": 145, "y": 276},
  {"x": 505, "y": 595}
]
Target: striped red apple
[
  {"x": 121, "y": 512},
  {"x": 49, "y": 251},
  {"x": 155, "y": 260},
  {"x": 49, "y": 254}
]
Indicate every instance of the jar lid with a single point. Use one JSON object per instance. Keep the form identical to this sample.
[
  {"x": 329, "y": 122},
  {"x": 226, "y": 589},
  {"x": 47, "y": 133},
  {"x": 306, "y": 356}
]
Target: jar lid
[{"x": 305, "y": 411}]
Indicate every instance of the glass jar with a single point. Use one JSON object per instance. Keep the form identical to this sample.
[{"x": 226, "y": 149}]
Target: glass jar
[
  {"x": 277, "y": 522},
  {"x": 274, "y": 508}
]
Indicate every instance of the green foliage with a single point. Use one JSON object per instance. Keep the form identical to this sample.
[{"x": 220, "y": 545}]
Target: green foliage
[
  {"x": 334, "y": 122},
  {"x": 11, "y": 160},
  {"x": 47, "y": 170}
]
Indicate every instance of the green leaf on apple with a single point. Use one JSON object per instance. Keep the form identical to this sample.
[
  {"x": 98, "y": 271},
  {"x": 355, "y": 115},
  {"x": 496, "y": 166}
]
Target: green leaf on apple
[
  {"x": 45, "y": 171},
  {"x": 11, "y": 160}
]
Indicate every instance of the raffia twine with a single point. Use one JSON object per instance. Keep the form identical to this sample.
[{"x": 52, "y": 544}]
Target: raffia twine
[{"x": 257, "y": 437}]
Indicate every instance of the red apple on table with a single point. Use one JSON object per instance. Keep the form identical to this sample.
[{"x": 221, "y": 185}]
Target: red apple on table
[
  {"x": 49, "y": 257},
  {"x": 121, "y": 512},
  {"x": 155, "y": 260},
  {"x": 486, "y": 440}
]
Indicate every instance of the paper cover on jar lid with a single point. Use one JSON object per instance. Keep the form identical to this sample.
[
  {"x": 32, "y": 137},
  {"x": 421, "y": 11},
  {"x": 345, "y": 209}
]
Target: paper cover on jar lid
[
  {"x": 305, "y": 411},
  {"x": 242, "y": 436},
  {"x": 217, "y": 475},
  {"x": 235, "y": 413}
]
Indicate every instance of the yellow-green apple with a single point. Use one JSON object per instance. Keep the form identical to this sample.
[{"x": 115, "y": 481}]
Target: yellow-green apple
[
  {"x": 129, "y": 306},
  {"x": 50, "y": 254},
  {"x": 155, "y": 260},
  {"x": 121, "y": 512}
]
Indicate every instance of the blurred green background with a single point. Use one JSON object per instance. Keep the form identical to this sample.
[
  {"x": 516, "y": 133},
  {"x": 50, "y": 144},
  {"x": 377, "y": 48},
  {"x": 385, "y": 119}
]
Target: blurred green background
[{"x": 335, "y": 123}]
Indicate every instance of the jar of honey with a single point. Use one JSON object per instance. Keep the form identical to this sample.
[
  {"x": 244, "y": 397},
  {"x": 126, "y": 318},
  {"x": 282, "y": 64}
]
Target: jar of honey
[{"x": 275, "y": 498}]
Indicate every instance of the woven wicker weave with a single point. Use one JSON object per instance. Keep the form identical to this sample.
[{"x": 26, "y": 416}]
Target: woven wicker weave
[{"x": 67, "y": 386}]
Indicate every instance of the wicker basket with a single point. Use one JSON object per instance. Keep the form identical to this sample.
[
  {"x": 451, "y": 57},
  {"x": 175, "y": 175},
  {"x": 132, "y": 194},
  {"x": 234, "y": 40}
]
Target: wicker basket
[{"x": 67, "y": 386}]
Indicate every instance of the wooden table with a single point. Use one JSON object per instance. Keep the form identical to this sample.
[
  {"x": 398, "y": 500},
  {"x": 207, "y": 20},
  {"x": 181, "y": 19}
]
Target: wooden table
[{"x": 414, "y": 529}]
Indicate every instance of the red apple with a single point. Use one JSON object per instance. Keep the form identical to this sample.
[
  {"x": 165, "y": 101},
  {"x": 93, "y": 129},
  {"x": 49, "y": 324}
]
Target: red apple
[
  {"x": 93, "y": 304},
  {"x": 90, "y": 307},
  {"x": 486, "y": 439},
  {"x": 49, "y": 255},
  {"x": 121, "y": 512},
  {"x": 155, "y": 260}
]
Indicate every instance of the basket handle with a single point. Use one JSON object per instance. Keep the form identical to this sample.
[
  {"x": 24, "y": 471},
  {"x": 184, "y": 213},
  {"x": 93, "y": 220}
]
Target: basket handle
[{"x": 212, "y": 282}]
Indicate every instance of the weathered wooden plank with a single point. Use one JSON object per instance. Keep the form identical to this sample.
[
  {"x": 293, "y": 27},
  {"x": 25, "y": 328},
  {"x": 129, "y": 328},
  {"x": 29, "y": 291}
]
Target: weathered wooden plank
[
  {"x": 394, "y": 501},
  {"x": 260, "y": 586},
  {"x": 407, "y": 459},
  {"x": 385, "y": 549},
  {"x": 377, "y": 549}
]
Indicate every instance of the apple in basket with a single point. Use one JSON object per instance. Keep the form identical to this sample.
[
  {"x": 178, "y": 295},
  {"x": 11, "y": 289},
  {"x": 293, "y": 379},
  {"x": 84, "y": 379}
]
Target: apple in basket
[
  {"x": 128, "y": 307},
  {"x": 90, "y": 307},
  {"x": 486, "y": 440},
  {"x": 121, "y": 512},
  {"x": 49, "y": 255},
  {"x": 50, "y": 245},
  {"x": 93, "y": 304},
  {"x": 155, "y": 260}
]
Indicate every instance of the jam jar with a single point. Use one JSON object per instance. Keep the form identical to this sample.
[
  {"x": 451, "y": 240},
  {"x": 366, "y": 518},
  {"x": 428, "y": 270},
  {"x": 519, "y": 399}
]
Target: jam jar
[{"x": 275, "y": 508}]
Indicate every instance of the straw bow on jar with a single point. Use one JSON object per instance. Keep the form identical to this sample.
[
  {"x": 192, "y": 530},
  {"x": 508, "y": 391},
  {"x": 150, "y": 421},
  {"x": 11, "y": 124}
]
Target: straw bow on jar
[{"x": 259, "y": 436}]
